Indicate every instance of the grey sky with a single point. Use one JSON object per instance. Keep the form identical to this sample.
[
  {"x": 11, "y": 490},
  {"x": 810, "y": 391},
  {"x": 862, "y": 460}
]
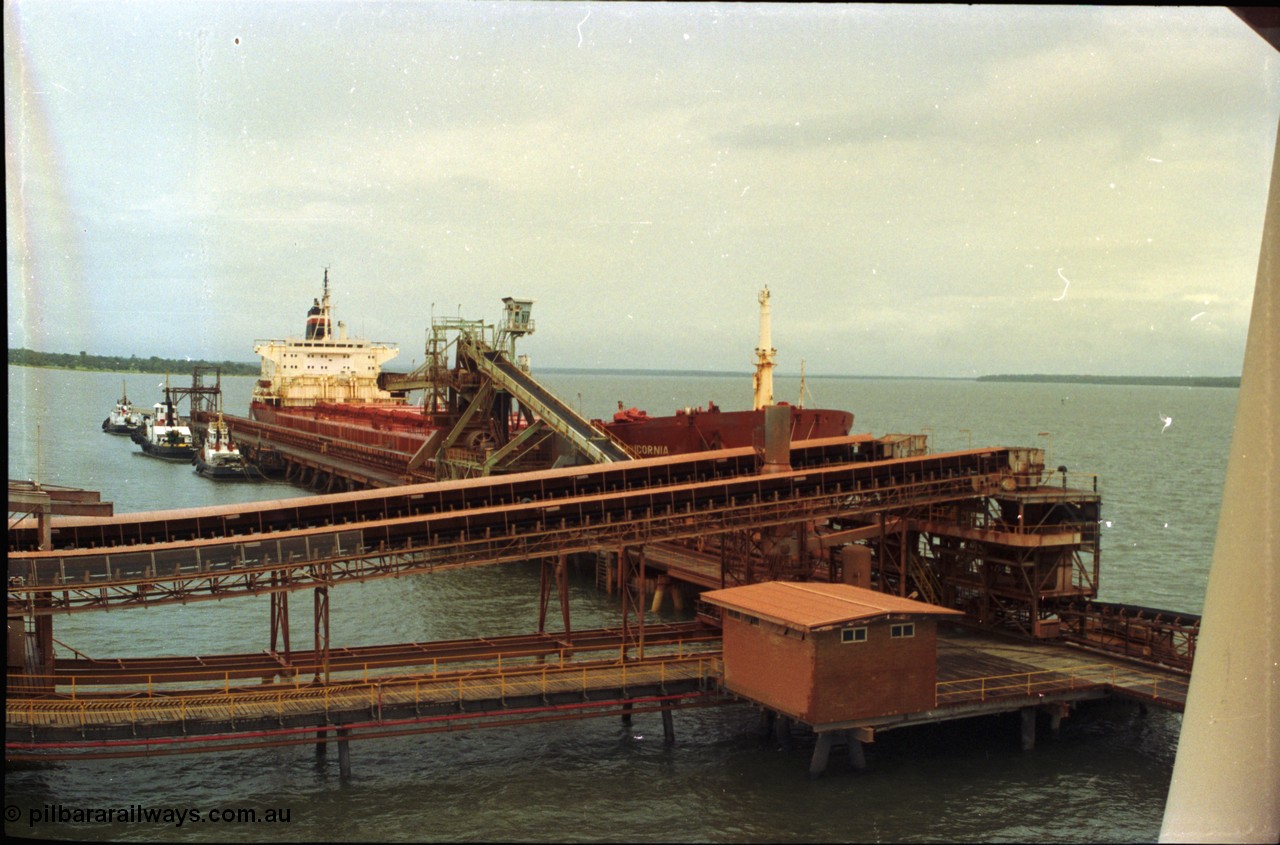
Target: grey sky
[{"x": 926, "y": 190}]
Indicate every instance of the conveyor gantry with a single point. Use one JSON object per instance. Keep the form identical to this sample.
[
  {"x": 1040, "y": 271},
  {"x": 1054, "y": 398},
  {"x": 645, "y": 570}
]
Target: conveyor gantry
[{"x": 174, "y": 557}]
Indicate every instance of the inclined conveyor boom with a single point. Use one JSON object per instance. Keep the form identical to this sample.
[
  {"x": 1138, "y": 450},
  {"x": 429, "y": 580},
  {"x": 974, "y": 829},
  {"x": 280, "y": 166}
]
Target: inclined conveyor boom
[{"x": 561, "y": 418}]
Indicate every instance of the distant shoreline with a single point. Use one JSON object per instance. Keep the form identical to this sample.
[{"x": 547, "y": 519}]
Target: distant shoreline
[
  {"x": 120, "y": 364},
  {"x": 176, "y": 366},
  {"x": 1152, "y": 381}
]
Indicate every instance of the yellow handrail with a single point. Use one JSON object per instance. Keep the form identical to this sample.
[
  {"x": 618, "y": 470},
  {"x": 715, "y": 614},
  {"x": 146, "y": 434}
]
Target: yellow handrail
[
  {"x": 1097, "y": 674},
  {"x": 263, "y": 701}
]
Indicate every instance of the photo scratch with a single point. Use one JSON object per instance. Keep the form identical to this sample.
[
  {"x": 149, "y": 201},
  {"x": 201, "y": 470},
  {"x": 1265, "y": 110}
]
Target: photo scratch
[
  {"x": 1066, "y": 283},
  {"x": 1168, "y": 421},
  {"x": 1198, "y": 316},
  {"x": 580, "y": 23}
]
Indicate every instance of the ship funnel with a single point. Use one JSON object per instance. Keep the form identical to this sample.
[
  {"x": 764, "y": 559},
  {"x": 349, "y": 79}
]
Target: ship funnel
[
  {"x": 318, "y": 318},
  {"x": 765, "y": 353}
]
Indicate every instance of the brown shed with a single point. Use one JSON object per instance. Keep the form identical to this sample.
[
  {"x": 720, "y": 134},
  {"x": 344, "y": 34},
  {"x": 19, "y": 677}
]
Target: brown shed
[{"x": 827, "y": 654}]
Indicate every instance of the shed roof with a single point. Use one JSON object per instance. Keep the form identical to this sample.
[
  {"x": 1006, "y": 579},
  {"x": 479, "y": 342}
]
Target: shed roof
[{"x": 811, "y": 606}]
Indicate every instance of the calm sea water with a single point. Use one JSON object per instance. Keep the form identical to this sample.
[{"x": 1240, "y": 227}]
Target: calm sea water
[{"x": 1103, "y": 779}]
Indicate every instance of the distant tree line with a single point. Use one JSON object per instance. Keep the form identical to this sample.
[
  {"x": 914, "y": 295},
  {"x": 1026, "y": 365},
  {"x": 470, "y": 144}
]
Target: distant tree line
[
  {"x": 1160, "y": 381},
  {"x": 119, "y": 364}
]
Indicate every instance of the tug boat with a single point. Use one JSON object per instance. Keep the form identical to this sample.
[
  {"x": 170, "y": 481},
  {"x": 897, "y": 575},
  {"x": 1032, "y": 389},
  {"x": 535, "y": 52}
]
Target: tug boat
[
  {"x": 164, "y": 435},
  {"x": 219, "y": 458},
  {"x": 123, "y": 419}
]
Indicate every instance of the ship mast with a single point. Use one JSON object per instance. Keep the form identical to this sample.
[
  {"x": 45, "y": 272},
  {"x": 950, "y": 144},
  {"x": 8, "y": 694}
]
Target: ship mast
[
  {"x": 326, "y": 310},
  {"x": 765, "y": 353}
]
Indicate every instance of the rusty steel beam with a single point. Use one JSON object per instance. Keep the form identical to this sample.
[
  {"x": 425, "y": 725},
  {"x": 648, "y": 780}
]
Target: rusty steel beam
[
  {"x": 168, "y": 671},
  {"x": 28, "y": 498},
  {"x": 185, "y": 571},
  {"x": 248, "y": 518}
]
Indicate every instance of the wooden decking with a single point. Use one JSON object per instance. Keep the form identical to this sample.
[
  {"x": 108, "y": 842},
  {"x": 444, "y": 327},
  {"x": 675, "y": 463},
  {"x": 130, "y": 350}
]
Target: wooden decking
[
  {"x": 982, "y": 666},
  {"x": 978, "y": 672},
  {"x": 258, "y": 707}
]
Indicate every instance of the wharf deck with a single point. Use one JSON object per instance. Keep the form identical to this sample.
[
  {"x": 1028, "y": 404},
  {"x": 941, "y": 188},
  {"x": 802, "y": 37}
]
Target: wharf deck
[
  {"x": 290, "y": 713},
  {"x": 978, "y": 673},
  {"x": 1012, "y": 667}
]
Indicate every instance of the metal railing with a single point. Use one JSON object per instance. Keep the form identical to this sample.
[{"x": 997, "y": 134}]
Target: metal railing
[
  {"x": 167, "y": 684},
  {"x": 278, "y": 700},
  {"x": 1044, "y": 681}
]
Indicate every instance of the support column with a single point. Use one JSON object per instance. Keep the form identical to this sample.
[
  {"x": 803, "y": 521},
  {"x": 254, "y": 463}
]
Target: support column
[
  {"x": 344, "y": 753},
  {"x": 1056, "y": 715},
  {"x": 639, "y": 604},
  {"x": 902, "y": 556},
  {"x": 41, "y": 632},
  {"x": 562, "y": 583},
  {"x": 544, "y": 593},
  {"x": 659, "y": 592},
  {"x": 857, "y": 758},
  {"x": 782, "y": 731},
  {"x": 767, "y": 719},
  {"x": 321, "y": 742},
  {"x": 626, "y": 713},
  {"x": 821, "y": 753},
  {"x": 322, "y": 633},
  {"x": 44, "y": 524},
  {"x": 1226, "y": 776},
  {"x": 42, "y": 624},
  {"x": 668, "y": 728},
  {"x": 631, "y": 583},
  {"x": 1028, "y": 735},
  {"x": 280, "y": 625}
]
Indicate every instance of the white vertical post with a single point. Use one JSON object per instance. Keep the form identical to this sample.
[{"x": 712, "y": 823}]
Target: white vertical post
[
  {"x": 1226, "y": 777},
  {"x": 765, "y": 354}
]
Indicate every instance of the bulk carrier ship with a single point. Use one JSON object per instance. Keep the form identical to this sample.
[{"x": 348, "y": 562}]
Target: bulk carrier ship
[
  {"x": 322, "y": 404},
  {"x": 696, "y": 429}
]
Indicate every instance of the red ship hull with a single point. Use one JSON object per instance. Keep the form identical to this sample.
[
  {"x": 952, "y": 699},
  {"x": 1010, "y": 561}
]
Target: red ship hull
[
  {"x": 401, "y": 428},
  {"x": 405, "y": 428},
  {"x": 698, "y": 430}
]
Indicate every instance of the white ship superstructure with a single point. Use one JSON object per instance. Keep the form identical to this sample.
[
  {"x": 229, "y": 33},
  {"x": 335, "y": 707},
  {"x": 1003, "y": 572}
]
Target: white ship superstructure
[{"x": 322, "y": 366}]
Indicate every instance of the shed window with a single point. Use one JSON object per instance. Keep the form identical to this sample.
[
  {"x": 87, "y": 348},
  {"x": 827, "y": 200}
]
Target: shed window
[
  {"x": 853, "y": 635},
  {"x": 906, "y": 629}
]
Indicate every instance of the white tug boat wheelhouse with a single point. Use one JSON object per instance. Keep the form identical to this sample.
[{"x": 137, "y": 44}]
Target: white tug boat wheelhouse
[
  {"x": 164, "y": 434},
  {"x": 219, "y": 458}
]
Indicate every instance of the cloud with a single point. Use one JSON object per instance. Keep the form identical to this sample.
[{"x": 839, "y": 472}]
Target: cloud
[{"x": 912, "y": 178}]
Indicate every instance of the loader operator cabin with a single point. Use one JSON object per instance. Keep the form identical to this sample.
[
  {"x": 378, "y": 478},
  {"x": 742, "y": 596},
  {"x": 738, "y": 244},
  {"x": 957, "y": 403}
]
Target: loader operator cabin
[{"x": 827, "y": 654}]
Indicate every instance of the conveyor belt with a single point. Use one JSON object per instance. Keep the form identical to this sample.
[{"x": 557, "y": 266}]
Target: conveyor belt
[
  {"x": 217, "y": 521},
  {"x": 593, "y": 442},
  {"x": 306, "y": 543}
]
